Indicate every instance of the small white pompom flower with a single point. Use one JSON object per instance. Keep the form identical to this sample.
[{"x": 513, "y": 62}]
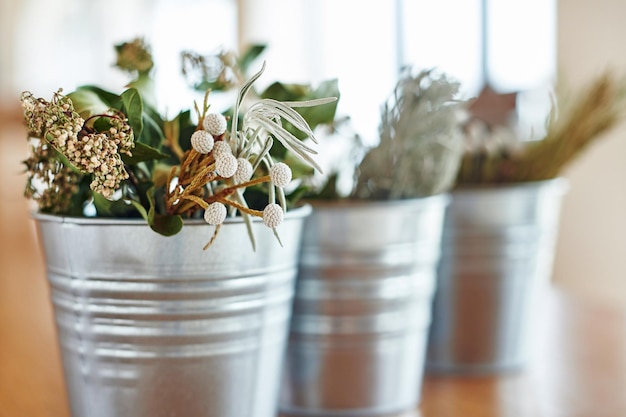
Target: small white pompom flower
[
  {"x": 225, "y": 165},
  {"x": 215, "y": 214},
  {"x": 280, "y": 174},
  {"x": 244, "y": 171},
  {"x": 273, "y": 215},
  {"x": 214, "y": 123},
  {"x": 202, "y": 141},
  {"x": 221, "y": 147}
]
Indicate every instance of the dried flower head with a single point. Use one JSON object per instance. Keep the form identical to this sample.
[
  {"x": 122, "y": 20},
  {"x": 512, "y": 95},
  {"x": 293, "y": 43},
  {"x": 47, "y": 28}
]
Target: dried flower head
[
  {"x": 215, "y": 213},
  {"x": 202, "y": 141},
  {"x": 280, "y": 174},
  {"x": 273, "y": 215},
  {"x": 221, "y": 147},
  {"x": 244, "y": 171},
  {"x": 215, "y": 124},
  {"x": 225, "y": 165}
]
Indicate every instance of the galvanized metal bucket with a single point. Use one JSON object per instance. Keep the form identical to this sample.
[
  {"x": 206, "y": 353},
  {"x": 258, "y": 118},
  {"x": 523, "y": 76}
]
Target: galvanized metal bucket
[
  {"x": 153, "y": 326},
  {"x": 497, "y": 251},
  {"x": 362, "y": 308}
]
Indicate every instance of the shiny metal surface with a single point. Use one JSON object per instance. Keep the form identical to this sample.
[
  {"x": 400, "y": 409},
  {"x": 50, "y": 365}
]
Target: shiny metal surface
[
  {"x": 497, "y": 252},
  {"x": 362, "y": 308},
  {"x": 153, "y": 326}
]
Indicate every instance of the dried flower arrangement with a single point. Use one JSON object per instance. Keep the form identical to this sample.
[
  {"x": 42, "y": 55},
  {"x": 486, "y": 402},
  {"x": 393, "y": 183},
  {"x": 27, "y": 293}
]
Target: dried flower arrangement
[
  {"x": 497, "y": 155},
  {"x": 116, "y": 154},
  {"x": 420, "y": 142}
]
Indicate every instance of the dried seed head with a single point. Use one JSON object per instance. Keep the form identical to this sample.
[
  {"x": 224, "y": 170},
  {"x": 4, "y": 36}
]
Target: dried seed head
[
  {"x": 280, "y": 174},
  {"x": 221, "y": 147},
  {"x": 225, "y": 165},
  {"x": 273, "y": 215},
  {"x": 202, "y": 141},
  {"x": 244, "y": 171},
  {"x": 215, "y": 124},
  {"x": 215, "y": 214}
]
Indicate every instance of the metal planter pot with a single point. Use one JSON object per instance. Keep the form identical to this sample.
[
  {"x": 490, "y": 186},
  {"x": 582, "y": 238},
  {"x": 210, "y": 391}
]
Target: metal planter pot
[
  {"x": 362, "y": 308},
  {"x": 497, "y": 251},
  {"x": 153, "y": 326}
]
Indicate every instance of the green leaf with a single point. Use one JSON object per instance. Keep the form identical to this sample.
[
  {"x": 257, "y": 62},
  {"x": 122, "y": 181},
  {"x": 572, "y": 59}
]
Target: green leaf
[
  {"x": 108, "y": 208},
  {"x": 133, "y": 108},
  {"x": 142, "y": 152},
  {"x": 324, "y": 114},
  {"x": 152, "y": 133},
  {"x": 145, "y": 86},
  {"x": 314, "y": 116},
  {"x": 299, "y": 169},
  {"x": 102, "y": 124},
  {"x": 141, "y": 209},
  {"x": 249, "y": 56},
  {"x": 110, "y": 99},
  {"x": 82, "y": 195},
  {"x": 217, "y": 85},
  {"x": 286, "y": 92},
  {"x": 66, "y": 161},
  {"x": 165, "y": 225},
  {"x": 87, "y": 103},
  {"x": 186, "y": 129}
]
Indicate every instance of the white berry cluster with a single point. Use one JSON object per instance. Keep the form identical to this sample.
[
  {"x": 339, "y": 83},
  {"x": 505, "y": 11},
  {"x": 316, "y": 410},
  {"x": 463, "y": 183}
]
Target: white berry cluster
[
  {"x": 50, "y": 183},
  {"x": 121, "y": 134},
  {"x": 41, "y": 116},
  {"x": 203, "y": 140},
  {"x": 241, "y": 170},
  {"x": 97, "y": 155}
]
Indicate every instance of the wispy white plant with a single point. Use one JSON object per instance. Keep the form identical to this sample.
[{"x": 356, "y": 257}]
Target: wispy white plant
[{"x": 421, "y": 140}]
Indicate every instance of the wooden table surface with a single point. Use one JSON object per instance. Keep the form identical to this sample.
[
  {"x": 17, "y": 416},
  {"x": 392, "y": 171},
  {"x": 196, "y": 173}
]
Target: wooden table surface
[{"x": 577, "y": 369}]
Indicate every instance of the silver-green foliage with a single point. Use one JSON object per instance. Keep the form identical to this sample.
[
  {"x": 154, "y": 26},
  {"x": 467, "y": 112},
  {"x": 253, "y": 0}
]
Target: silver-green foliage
[{"x": 421, "y": 141}]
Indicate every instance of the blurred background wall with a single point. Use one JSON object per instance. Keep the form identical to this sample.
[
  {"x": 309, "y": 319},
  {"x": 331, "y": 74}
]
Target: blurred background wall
[
  {"x": 591, "y": 252},
  {"x": 524, "y": 46}
]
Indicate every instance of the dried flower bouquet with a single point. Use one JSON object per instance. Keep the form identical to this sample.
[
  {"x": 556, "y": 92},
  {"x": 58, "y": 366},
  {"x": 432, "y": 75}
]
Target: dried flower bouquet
[{"x": 93, "y": 149}]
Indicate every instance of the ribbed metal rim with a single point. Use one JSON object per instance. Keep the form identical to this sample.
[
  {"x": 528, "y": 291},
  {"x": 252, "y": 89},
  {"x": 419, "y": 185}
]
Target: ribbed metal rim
[
  {"x": 295, "y": 213},
  {"x": 346, "y": 203}
]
